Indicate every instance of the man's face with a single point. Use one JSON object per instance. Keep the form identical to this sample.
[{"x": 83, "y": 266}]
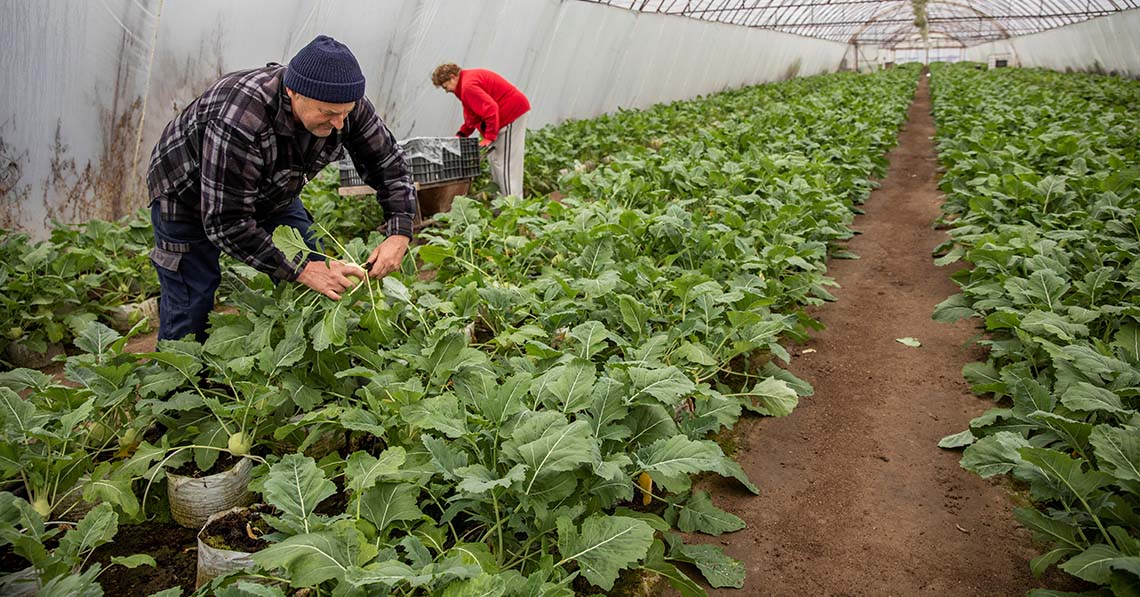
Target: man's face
[
  {"x": 319, "y": 118},
  {"x": 449, "y": 85}
]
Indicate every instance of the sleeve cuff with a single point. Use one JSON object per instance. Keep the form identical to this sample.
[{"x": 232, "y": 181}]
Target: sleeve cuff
[{"x": 400, "y": 225}]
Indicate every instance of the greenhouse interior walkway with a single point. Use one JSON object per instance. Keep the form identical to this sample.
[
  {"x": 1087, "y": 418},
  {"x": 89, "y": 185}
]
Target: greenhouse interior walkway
[{"x": 854, "y": 500}]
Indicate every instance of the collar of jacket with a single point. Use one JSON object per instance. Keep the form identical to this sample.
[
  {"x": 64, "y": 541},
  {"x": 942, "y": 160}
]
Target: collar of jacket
[{"x": 283, "y": 122}]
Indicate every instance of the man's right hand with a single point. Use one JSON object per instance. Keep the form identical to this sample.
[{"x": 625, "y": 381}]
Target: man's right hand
[{"x": 330, "y": 278}]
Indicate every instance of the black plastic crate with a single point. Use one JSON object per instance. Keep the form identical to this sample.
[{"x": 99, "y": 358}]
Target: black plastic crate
[
  {"x": 454, "y": 167},
  {"x": 464, "y": 165}
]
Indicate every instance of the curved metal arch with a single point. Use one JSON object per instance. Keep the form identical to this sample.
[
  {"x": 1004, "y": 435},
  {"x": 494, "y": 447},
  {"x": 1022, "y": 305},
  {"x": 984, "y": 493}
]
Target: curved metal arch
[
  {"x": 997, "y": 24},
  {"x": 847, "y": 20}
]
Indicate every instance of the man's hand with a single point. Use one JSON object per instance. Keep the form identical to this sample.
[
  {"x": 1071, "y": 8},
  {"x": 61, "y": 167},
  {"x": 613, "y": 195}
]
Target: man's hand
[
  {"x": 330, "y": 278},
  {"x": 485, "y": 142},
  {"x": 386, "y": 257}
]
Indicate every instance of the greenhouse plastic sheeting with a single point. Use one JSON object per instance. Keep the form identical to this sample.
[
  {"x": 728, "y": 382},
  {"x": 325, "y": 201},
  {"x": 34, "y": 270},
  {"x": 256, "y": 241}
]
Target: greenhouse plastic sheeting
[
  {"x": 71, "y": 144},
  {"x": 1107, "y": 44}
]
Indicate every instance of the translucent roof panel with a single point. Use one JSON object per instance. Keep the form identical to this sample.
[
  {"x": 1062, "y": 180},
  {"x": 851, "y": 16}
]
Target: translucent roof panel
[{"x": 890, "y": 24}]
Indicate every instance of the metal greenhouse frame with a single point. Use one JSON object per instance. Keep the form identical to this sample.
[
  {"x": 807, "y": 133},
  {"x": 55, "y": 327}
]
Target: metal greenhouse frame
[{"x": 890, "y": 24}]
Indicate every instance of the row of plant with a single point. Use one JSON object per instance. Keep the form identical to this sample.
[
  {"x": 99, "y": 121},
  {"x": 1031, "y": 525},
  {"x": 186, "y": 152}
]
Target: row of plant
[
  {"x": 82, "y": 273},
  {"x": 522, "y": 415},
  {"x": 1043, "y": 200}
]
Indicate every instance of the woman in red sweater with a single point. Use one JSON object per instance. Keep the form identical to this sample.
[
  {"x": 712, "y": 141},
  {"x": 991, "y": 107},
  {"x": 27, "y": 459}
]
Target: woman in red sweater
[{"x": 498, "y": 110}]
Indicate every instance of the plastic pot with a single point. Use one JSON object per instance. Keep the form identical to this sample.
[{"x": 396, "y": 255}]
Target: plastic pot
[
  {"x": 21, "y": 355},
  {"x": 122, "y": 318},
  {"x": 194, "y": 499},
  {"x": 24, "y": 583},
  {"x": 214, "y": 562}
]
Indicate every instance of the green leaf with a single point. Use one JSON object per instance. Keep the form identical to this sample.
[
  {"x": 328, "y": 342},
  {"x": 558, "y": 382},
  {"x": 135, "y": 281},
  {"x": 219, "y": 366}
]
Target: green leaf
[
  {"x": 667, "y": 384},
  {"x": 74, "y": 585},
  {"x": 1085, "y": 397},
  {"x": 443, "y": 413},
  {"x": 18, "y": 415},
  {"x": 995, "y": 454},
  {"x": 396, "y": 289},
  {"x": 503, "y": 400},
  {"x": 1127, "y": 339},
  {"x": 387, "y": 503},
  {"x": 1075, "y": 433},
  {"x": 228, "y": 341},
  {"x": 908, "y": 341},
  {"x": 160, "y": 383},
  {"x": 567, "y": 387},
  {"x": 635, "y": 317},
  {"x": 486, "y": 585},
  {"x": 477, "y": 479},
  {"x": 699, "y": 515},
  {"x": 546, "y": 443},
  {"x": 983, "y": 378},
  {"x": 1041, "y": 563},
  {"x": 1051, "y": 529},
  {"x": 953, "y": 309},
  {"x": 718, "y": 569},
  {"x": 177, "y": 592},
  {"x": 332, "y": 329},
  {"x": 655, "y": 562},
  {"x": 696, "y": 353},
  {"x": 679, "y": 455},
  {"x": 1028, "y": 395},
  {"x": 445, "y": 455},
  {"x": 134, "y": 561},
  {"x": 1042, "y": 322},
  {"x": 388, "y": 573},
  {"x": 289, "y": 241},
  {"x": 603, "y": 545},
  {"x": 1064, "y": 473},
  {"x": 117, "y": 491},
  {"x": 96, "y": 339},
  {"x": 444, "y": 359},
  {"x": 958, "y": 440},
  {"x": 313, "y": 558},
  {"x": 295, "y": 486},
  {"x": 1095, "y": 563},
  {"x": 1117, "y": 451},
  {"x": 287, "y": 353},
  {"x": 772, "y": 397},
  {"x": 96, "y": 528},
  {"x": 243, "y": 588},
  {"x": 1047, "y": 287},
  {"x": 364, "y": 470},
  {"x": 591, "y": 337}
]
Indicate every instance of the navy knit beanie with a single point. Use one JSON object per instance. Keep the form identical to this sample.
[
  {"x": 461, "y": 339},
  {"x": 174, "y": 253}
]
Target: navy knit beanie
[{"x": 326, "y": 70}]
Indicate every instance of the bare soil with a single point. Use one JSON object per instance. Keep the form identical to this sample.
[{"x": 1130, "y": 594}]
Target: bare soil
[
  {"x": 174, "y": 549},
  {"x": 857, "y": 499},
  {"x": 238, "y": 531}
]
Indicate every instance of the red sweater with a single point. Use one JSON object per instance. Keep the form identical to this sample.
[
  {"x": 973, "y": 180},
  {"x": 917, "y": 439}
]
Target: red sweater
[{"x": 489, "y": 102}]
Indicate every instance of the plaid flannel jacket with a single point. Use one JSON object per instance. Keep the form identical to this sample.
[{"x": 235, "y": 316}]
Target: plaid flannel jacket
[{"x": 234, "y": 154}]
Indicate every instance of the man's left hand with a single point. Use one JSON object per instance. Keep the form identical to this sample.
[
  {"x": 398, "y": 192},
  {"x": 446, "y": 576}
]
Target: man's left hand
[
  {"x": 386, "y": 257},
  {"x": 485, "y": 142}
]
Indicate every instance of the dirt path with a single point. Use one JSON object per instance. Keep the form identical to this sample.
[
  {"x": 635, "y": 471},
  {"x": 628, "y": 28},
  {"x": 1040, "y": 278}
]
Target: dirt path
[{"x": 857, "y": 499}]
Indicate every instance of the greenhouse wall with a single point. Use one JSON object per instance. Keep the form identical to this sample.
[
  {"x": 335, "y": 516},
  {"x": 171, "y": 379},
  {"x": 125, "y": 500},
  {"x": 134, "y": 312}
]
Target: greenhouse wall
[
  {"x": 1108, "y": 44},
  {"x": 90, "y": 85}
]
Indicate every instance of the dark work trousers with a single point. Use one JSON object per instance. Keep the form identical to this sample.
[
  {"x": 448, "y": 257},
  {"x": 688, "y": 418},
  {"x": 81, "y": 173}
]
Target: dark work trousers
[{"x": 189, "y": 272}]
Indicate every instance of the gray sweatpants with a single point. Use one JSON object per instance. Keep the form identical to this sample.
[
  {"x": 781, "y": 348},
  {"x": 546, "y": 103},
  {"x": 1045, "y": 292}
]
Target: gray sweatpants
[{"x": 506, "y": 157}]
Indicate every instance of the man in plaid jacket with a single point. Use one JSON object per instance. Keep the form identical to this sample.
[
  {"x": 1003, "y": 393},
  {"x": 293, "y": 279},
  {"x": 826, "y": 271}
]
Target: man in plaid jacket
[{"x": 229, "y": 169}]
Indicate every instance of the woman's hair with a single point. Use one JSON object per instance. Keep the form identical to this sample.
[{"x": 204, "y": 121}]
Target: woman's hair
[{"x": 444, "y": 72}]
